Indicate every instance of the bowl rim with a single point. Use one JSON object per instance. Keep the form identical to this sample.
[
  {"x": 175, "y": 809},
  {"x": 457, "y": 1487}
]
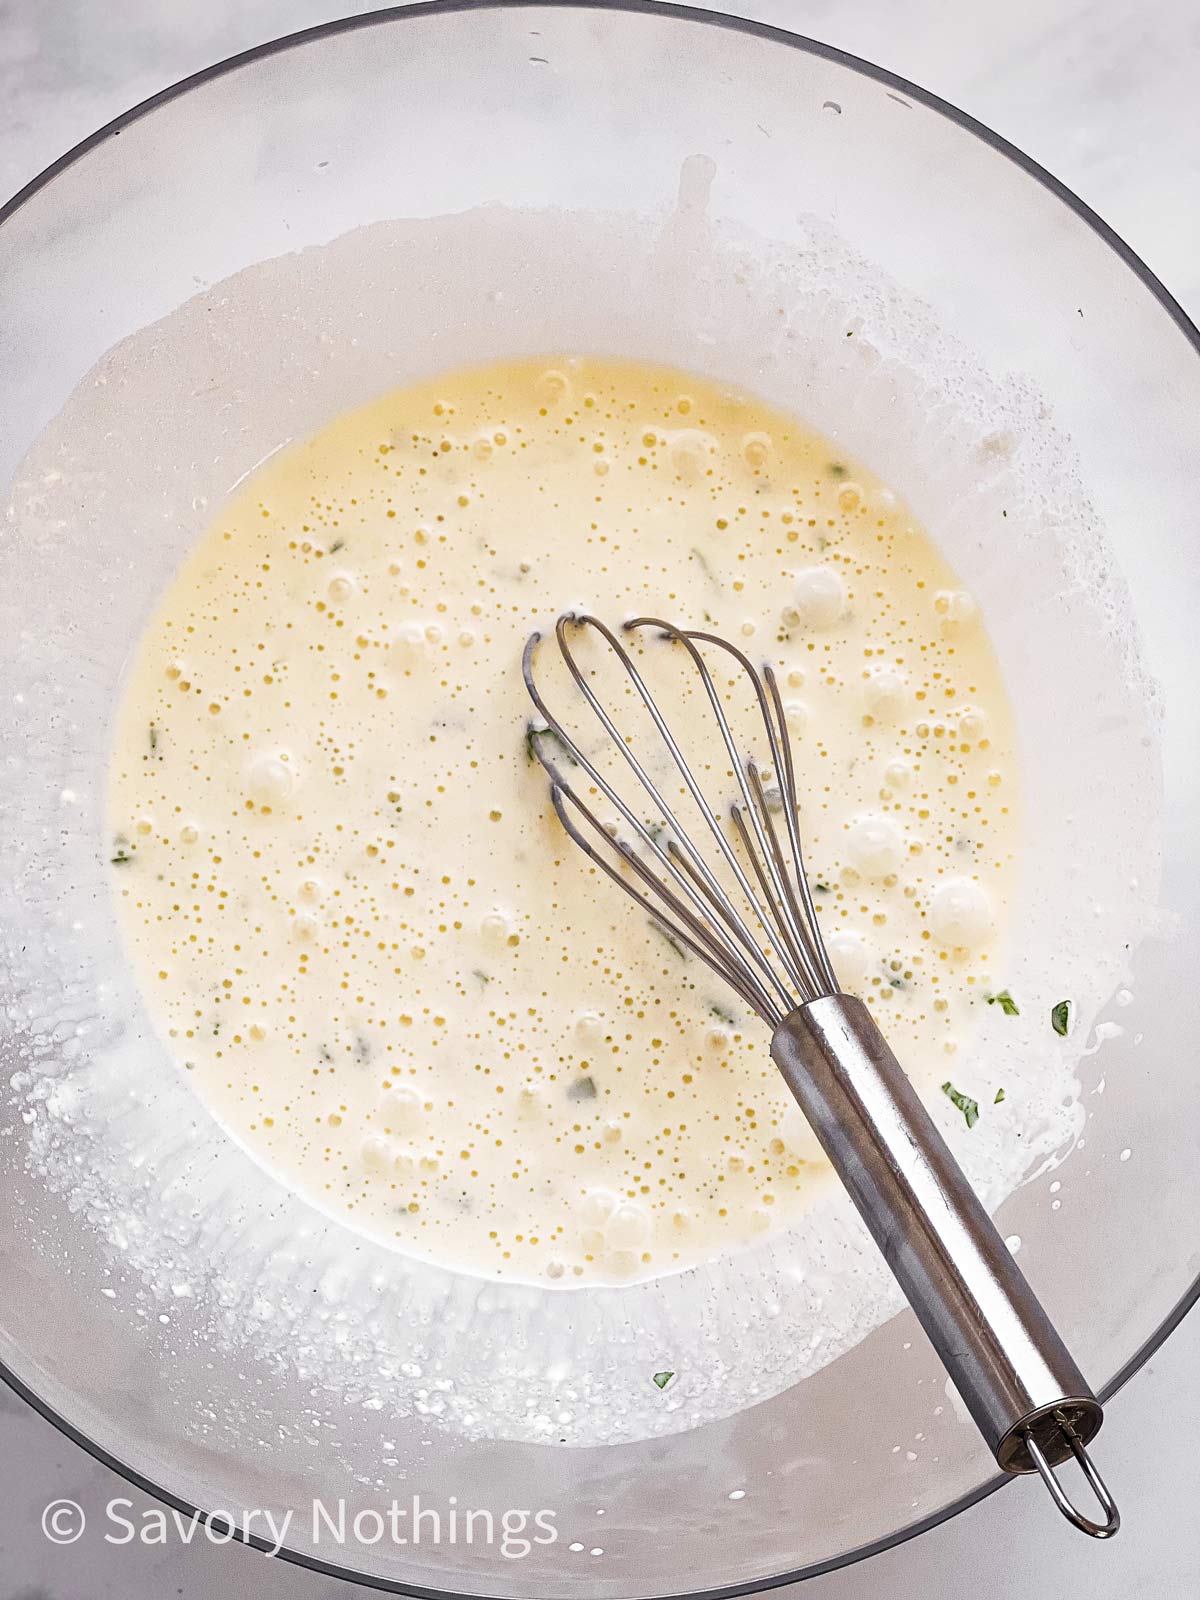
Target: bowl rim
[{"x": 963, "y": 120}]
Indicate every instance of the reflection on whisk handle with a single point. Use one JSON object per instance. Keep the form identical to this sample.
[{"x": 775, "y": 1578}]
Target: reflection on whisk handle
[{"x": 1015, "y": 1375}]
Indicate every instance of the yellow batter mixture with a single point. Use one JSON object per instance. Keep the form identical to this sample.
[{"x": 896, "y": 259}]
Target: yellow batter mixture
[{"x": 338, "y": 873}]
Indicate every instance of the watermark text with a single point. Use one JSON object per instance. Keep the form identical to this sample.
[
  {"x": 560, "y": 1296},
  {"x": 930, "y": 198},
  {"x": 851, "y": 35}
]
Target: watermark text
[{"x": 325, "y": 1524}]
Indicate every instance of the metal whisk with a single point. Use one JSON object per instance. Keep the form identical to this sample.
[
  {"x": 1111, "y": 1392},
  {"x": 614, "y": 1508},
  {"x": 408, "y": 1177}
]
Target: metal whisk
[{"x": 1013, "y": 1371}]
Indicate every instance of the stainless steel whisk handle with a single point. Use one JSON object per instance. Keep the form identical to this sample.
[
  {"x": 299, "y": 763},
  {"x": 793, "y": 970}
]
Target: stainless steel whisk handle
[{"x": 1013, "y": 1371}]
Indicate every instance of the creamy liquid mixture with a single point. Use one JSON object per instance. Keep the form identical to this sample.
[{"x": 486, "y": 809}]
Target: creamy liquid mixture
[{"x": 355, "y": 918}]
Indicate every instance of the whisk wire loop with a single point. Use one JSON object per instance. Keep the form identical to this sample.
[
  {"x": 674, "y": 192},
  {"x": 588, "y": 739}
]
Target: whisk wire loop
[
  {"x": 713, "y": 894},
  {"x": 787, "y": 947},
  {"x": 685, "y": 898},
  {"x": 695, "y": 934},
  {"x": 721, "y": 902}
]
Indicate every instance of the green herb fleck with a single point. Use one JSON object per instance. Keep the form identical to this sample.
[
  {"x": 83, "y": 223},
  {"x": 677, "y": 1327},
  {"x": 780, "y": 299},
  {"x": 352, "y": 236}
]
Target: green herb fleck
[
  {"x": 534, "y": 734},
  {"x": 669, "y": 938},
  {"x": 481, "y": 977},
  {"x": 1060, "y": 1018},
  {"x": 836, "y": 469},
  {"x": 723, "y": 1014},
  {"x": 897, "y": 982},
  {"x": 820, "y": 888},
  {"x": 123, "y": 853},
  {"x": 968, "y": 1107},
  {"x": 705, "y": 566},
  {"x": 153, "y": 738},
  {"x": 582, "y": 1089},
  {"x": 662, "y": 1379},
  {"x": 999, "y": 1097},
  {"x": 708, "y": 617},
  {"x": 326, "y": 1053},
  {"x": 338, "y": 544},
  {"x": 1006, "y": 1003},
  {"x": 217, "y": 1028}
]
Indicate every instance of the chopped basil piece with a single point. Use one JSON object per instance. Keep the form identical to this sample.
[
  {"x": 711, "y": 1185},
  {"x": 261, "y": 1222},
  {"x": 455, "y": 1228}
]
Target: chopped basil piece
[
  {"x": 836, "y": 469},
  {"x": 662, "y": 1379},
  {"x": 999, "y": 1097},
  {"x": 968, "y": 1107},
  {"x": 534, "y": 734},
  {"x": 1060, "y": 1018},
  {"x": 153, "y": 737},
  {"x": 705, "y": 566},
  {"x": 820, "y": 888},
  {"x": 582, "y": 1089},
  {"x": 481, "y": 977},
  {"x": 338, "y": 544},
  {"x": 1006, "y": 1003},
  {"x": 723, "y": 1014},
  {"x": 669, "y": 938}
]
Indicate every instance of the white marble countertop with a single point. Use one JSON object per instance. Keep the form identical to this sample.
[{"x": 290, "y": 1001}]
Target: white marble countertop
[{"x": 1099, "y": 91}]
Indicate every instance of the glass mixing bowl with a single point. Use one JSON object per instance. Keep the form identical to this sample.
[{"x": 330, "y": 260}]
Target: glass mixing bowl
[{"x": 430, "y": 111}]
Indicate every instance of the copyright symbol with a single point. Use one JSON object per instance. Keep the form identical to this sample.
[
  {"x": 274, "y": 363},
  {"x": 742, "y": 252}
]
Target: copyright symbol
[{"x": 63, "y": 1521}]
